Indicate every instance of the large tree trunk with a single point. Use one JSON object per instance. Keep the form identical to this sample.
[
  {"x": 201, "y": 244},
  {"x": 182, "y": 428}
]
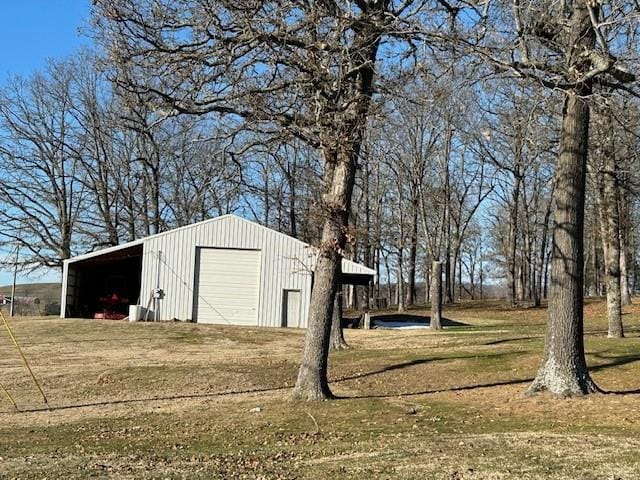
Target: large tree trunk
[
  {"x": 368, "y": 257},
  {"x": 543, "y": 254},
  {"x": 610, "y": 228},
  {"x": 625, "y": 292},
  {"x": 436, "y": 296},
  {"x": 413, "y": 253},
  {"x": 312, "y": 383},
  {"x": 564, "y": 370},
  {"x": 512, "y": 246},
  {"x": 339, "y": 179},
  {"x": 593, "y": 285},
  {"x": 400, "y": 283},
  {"x": 337, "y": 341},
  {"x": 449, "y": 280}
]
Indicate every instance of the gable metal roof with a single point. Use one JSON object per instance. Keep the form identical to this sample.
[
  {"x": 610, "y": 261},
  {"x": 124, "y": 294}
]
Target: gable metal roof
[{"x": 348, "y": 266}]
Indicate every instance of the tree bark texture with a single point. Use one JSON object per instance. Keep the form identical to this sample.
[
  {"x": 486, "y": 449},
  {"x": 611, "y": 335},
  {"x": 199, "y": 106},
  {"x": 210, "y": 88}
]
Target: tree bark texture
[
  {"x": 344, "y": 140},
  {"x": 625, "y": 291},
  {"x": 543, "y": 255},
  {"x": 400, "y": 283},
  {"x": 312, "y": 383},
  {"x": 436, "y": 296},
  {"x": 413, "y": 253},
  {"x": 513, "y": 243},
  {"x": 564, "y": 370},
  {"x": 610, "y": 228},
  {"x": 337, "y": 341}
]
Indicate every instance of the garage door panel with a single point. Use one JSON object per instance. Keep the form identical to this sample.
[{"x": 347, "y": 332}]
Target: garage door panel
[{"x": 228, "y": 286}]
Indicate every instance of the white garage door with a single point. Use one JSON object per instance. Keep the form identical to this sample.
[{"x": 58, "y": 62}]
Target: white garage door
[{"x": 227, "y": 286}]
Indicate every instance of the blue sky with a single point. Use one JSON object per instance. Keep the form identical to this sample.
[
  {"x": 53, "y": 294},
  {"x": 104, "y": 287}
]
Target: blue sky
[{"x": 32, "y": 31}]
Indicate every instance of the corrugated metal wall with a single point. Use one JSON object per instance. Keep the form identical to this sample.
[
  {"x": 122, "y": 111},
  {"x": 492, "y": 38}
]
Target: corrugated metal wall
[{"x": 285, "y": 265}]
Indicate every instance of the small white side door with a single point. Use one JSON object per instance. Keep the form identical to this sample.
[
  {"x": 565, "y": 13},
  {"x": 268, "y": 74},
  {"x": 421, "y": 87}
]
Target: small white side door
[{"x": 291, "y": 308}]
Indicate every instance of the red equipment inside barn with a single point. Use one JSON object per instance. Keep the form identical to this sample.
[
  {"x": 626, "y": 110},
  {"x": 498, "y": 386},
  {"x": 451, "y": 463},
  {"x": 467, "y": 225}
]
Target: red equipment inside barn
[{"x": 112, "y": 303}]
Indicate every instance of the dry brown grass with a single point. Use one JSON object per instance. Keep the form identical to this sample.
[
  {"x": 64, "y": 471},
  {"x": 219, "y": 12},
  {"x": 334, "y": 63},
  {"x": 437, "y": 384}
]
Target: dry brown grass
[{"x": 173, "y": 401}]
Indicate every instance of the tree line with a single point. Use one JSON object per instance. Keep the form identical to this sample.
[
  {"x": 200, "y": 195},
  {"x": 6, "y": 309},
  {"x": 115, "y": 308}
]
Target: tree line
[{"x": 498, "y": 138}]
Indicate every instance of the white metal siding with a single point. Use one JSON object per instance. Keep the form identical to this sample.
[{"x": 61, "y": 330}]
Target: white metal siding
[
  {"x": 169, "y": 262},
  {"x": 285, "y": 264},
  {"x": 227, "y": 287},
  {"x": 64, "y": 295}
]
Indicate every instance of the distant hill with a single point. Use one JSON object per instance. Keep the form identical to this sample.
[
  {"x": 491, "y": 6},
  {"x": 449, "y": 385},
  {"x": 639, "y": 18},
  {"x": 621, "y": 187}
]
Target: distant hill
[{"x": 48, "y": 293}]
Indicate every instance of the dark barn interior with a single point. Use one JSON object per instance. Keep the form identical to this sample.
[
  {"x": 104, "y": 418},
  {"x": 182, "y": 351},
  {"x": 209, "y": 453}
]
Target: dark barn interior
[
  {"x": 355, "y": 279},
  {"x": 105, "y": 286}
]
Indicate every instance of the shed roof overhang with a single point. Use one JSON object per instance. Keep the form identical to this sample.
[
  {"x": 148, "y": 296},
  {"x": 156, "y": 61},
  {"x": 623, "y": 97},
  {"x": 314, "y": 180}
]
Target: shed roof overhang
[
  {"x": 356, "y": 278},
  {"x": 109, "y": 255}
]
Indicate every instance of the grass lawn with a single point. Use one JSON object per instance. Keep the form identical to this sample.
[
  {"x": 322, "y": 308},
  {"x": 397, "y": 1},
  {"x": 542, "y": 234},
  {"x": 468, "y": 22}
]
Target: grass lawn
[{"x": 176, "y": 400}]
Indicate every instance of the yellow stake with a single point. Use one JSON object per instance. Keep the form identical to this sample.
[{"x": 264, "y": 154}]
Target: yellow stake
[
  {"x": 24, "y": 358},
  {"x": 6, "y": 392}
]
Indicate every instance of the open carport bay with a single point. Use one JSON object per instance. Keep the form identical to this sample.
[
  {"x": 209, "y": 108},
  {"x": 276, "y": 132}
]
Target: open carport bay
[{"x": 107, "y": 283}]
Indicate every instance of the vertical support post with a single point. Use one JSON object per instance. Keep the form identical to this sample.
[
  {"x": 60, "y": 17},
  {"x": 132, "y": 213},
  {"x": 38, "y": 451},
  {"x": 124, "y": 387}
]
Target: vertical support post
[
  {"x": 367, "y": 307},
  {"x": 367, "y": 320},
  {"x": 436, "y": 296},
  {"x": 156, "y": 292},
  {"x": 13, "y": 284}
]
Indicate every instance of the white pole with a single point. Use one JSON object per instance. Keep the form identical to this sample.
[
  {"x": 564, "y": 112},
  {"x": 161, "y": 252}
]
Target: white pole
[
  {"x": 13, "y": 285},
  {"x": 156, "y": 298}
]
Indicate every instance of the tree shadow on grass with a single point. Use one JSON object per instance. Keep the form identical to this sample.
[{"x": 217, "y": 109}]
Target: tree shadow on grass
[
  {"x": 420, "y": 361},
  {"x": 444, "y": 390},
  {"x": 129, "y": 401},
  {"x": 622, "y": 392},
  {"x": 509, "y": 340},
  {"x": 615, "y": 362},
  {"x": 603, "y": 332}
]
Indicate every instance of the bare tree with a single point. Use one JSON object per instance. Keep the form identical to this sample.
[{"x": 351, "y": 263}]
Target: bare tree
[
  {"x": 307, "y": 67},
  {"x": 516, "y": 137},
  {"x": 95, "y": 133},
  {"x": 568, "y": 46},
  {"x": 40, "y": 195},
  {"x": 605, "y": 175},
  {"x": 436, "y": 296},
  {"x": 201, "y": 178}
]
